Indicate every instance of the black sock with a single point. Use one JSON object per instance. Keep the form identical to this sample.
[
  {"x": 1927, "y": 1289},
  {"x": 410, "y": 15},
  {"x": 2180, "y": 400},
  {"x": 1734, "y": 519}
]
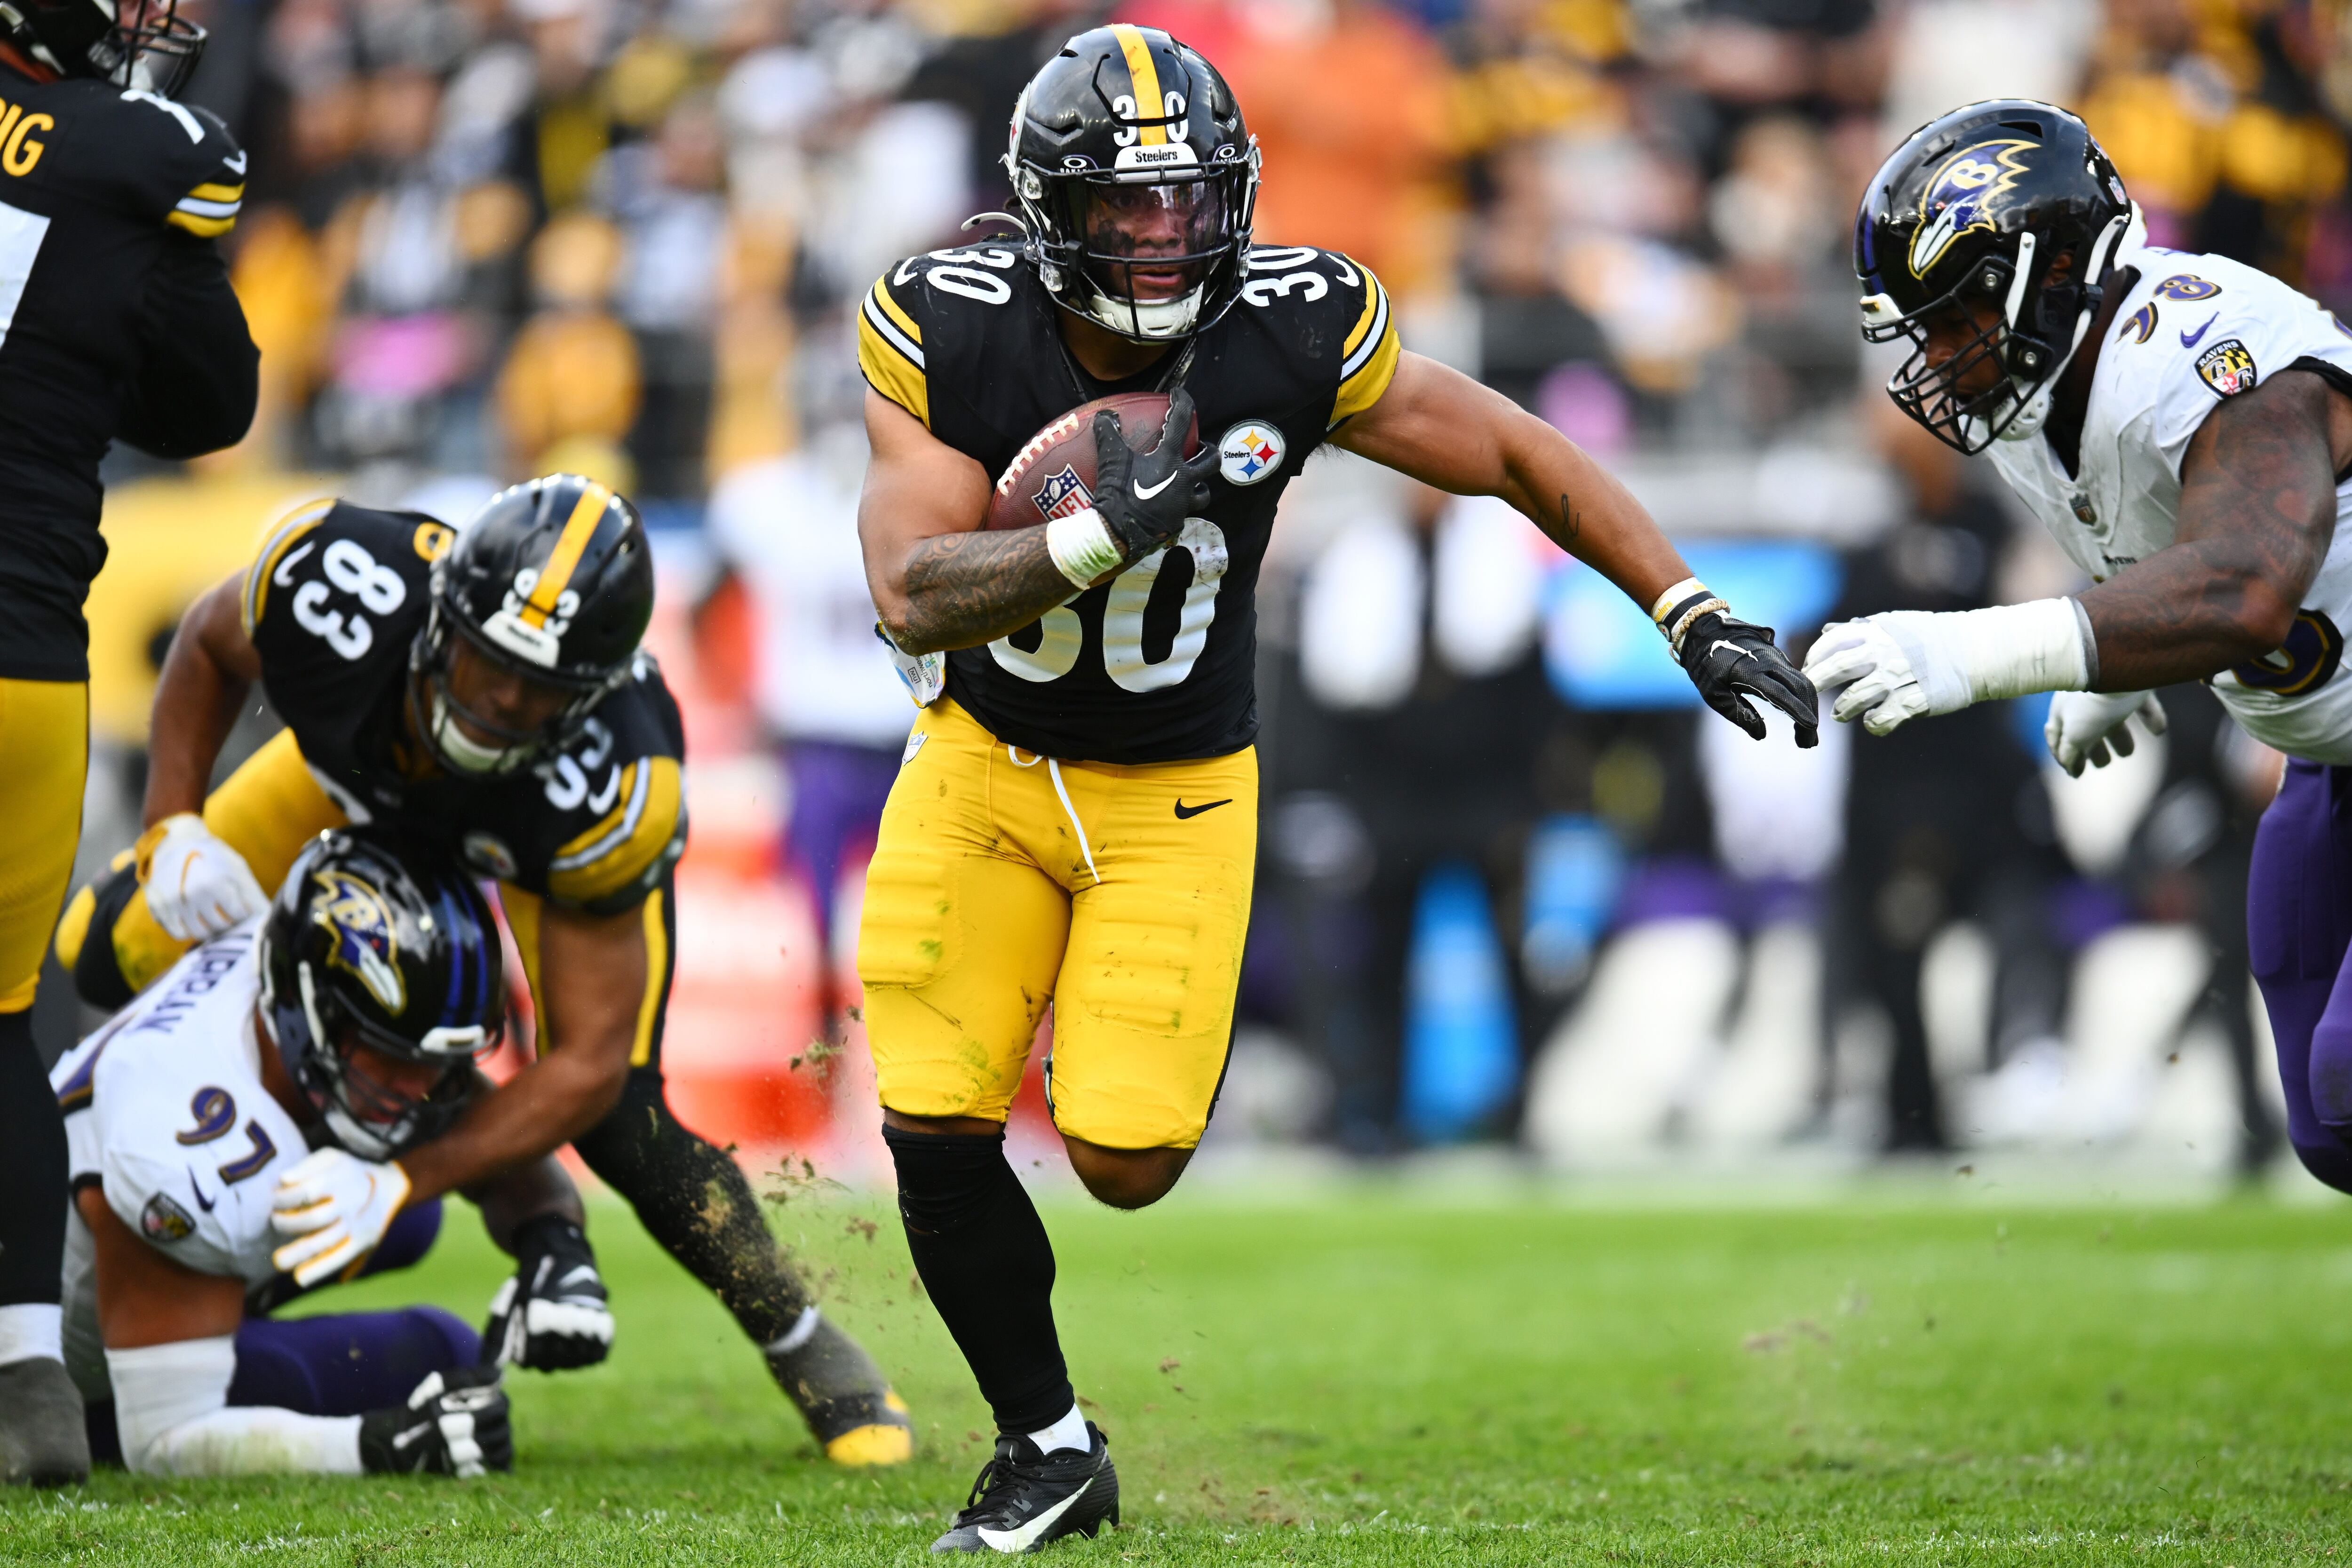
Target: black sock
[
  {"x": 693, "y": 1199},
  {"x": 32, "y": 1171},
  {"x": 985, "y": 1259}
]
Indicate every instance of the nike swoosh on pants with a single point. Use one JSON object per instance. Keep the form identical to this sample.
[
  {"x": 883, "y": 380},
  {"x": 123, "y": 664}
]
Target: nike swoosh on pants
[{"x": 1023, "y": 1538}]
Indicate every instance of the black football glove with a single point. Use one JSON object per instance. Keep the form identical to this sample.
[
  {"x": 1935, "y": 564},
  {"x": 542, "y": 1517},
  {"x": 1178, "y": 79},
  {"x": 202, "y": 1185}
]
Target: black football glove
[
  {"x": 1724, "y": 656},
  {"x": 453, "y": 1424},
  {"x": 1145, "y": 497},
  {"x": 551, "y": 1315}
]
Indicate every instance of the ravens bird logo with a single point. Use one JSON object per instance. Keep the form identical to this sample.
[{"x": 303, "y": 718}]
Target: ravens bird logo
[
  {"x": 365, "y": 944},
  {"x": 1956, "y": 198}
]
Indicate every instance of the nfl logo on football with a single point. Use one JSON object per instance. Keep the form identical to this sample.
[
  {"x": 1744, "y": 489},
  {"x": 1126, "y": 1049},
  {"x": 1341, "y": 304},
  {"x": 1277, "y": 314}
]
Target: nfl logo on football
[{"x": 1063, "y": 494}]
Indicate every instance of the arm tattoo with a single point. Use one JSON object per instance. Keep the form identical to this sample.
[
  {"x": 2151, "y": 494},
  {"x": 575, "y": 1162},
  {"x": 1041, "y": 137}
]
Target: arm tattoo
[
  {"x": 1570, "y": 524},
  {"x": 965, "y": 589},
  {"x": 2257, "y": 514}
]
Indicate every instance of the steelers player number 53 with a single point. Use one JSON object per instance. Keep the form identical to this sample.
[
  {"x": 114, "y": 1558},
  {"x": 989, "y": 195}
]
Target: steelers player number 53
[{"x": 1060, "y": 637}]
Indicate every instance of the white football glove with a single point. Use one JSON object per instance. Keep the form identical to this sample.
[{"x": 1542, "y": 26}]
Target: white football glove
[
  {"x": 2085, "y": 726},
  {"x": 337, "y": 1206},
  {"x": 197, "y": 887},
  {"x": 1893, "y": 667}
]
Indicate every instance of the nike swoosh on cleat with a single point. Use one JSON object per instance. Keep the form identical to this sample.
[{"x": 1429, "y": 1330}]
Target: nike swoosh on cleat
[
  {"x": 1142, "y": 494},
  {"x": 2188, "y": 340},
  {"x": 1184, "y": 813},
  {"x": 1023, "y": 1538}
]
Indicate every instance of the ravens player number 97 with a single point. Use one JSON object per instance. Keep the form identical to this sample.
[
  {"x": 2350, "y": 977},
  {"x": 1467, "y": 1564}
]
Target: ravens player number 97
[
  {"x": 1076, "y": 820},
  {"x": 116, "y": 323},
  {"x": 480, "y": 690}
]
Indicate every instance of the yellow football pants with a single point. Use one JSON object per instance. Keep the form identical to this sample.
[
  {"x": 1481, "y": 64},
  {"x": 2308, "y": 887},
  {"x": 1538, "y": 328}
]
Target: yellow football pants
[
  {"x": 44, "y": 763},
  {"x": 1004, "y": 880}
]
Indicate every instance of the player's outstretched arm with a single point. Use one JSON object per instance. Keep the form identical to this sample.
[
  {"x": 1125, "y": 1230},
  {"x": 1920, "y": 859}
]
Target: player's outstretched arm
[
  {"x": 1446, "y": 430},
  {"x": 2257, "y": 514},
  {"x": 1449, "y": 432}
]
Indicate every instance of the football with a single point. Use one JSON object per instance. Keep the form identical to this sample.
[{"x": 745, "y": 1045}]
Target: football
[{"x": 1053, "y": 475}]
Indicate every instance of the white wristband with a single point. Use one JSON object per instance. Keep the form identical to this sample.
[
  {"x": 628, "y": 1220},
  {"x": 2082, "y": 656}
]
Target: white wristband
[
  {"x": 2011, "y": 651},
  {"x": 1082, "y": 547}
]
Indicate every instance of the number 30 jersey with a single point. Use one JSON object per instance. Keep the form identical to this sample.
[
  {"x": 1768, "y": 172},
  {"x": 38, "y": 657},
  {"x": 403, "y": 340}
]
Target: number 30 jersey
[
  {"x": 1155, "y": 666},
  {"x": 333, "y": 603},
  {"x": 2194, "y": 331}
]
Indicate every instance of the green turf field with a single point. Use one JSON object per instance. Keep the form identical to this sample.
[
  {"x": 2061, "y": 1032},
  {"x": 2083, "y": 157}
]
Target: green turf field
[{"x": 1354, "y": 1378}]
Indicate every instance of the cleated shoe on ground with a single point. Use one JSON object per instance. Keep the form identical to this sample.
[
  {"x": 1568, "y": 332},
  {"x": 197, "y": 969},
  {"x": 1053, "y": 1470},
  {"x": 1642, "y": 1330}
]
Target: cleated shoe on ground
[
  {"x": 857, "y": 1418},
  {"x": 43, "y": 1440},
  {"x": 1023, "y": 1499}
]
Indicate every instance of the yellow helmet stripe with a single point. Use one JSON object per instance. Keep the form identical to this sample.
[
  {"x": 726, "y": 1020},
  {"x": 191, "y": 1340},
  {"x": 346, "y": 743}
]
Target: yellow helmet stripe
[
  {"x": 556, "y": 576},
  {"x": 1148, "y": 103}
]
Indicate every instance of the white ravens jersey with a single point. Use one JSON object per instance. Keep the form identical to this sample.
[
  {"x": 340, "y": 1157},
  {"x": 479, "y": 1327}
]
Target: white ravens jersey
[
  {"x": 165, "y": 1109},
  {"x": 2195, "y": 330}
]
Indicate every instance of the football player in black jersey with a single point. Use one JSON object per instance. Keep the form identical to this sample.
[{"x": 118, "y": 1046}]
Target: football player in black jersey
[
  {"x": 483, "y": 690},
  {"x": 1076, "y": 820},
  {"x": 116, "y": 323}
]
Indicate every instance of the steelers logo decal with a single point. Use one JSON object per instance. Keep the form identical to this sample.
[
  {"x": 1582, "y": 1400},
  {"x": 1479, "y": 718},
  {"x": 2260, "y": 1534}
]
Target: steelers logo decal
[{"x": 1249, "y": 452}]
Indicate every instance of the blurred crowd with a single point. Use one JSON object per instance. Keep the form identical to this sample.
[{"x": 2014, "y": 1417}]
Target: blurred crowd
[{"x": 1503, "y": 892}]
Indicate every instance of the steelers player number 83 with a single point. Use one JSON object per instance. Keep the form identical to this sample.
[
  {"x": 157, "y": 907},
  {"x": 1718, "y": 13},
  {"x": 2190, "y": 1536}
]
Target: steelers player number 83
[
  {"x": 1052, "y": 648},
  {"x": 348, "y": 566}
]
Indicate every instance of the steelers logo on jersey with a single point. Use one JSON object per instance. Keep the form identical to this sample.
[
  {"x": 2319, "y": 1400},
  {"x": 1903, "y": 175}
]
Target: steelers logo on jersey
[
  {"x": 1248, "y": 453},
  {"x": 2228, "y": 367}
]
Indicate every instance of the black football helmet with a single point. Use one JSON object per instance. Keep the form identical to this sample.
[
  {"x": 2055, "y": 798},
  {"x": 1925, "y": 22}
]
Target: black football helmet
[
  {"x": 1128, "y": 157},
  {"x": 2001, "y": 218},
  {"x": 551, "y": 579},
  {"x": 383, "y": 943},
  {"x": 144, "y": 44}
]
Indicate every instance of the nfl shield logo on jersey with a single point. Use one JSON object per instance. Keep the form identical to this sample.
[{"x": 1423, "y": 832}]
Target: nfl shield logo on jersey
[
  {"x": 2228, "y": 368},
  {"x": 1249, "y": 453},
  {"x": 1063, "y": 494}
]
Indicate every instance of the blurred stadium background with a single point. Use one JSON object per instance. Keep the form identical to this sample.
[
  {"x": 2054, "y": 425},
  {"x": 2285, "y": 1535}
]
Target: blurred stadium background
[{"x": 1516, "y": 893}]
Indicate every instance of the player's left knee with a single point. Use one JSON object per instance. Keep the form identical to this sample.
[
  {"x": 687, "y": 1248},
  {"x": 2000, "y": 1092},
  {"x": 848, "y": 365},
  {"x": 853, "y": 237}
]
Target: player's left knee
[{"x": 1126, "y": 1178}]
